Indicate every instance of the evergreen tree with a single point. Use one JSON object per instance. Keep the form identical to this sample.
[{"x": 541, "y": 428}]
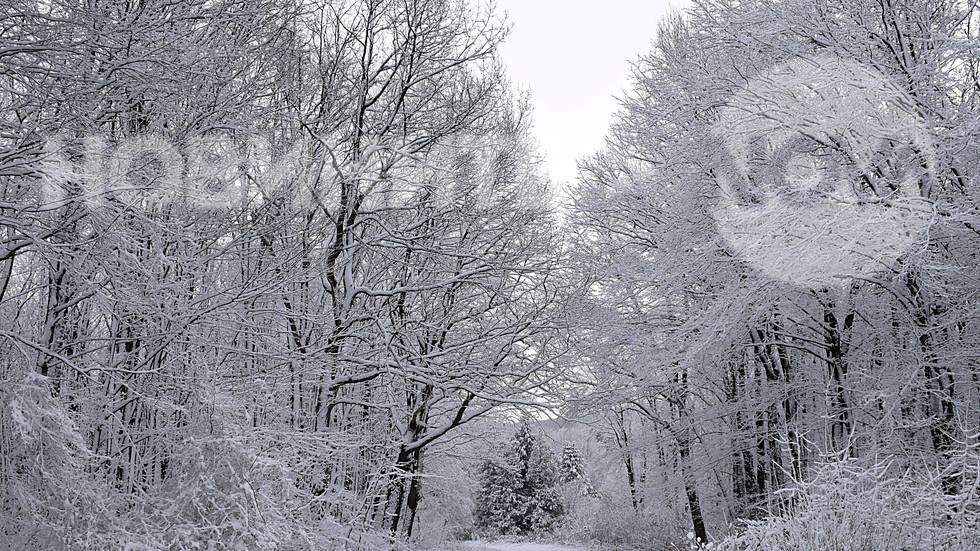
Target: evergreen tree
[
  {"x": 520, "y": 491},
  {"x": 572, "y": 470},
  {"x": 572, "y": 464}
]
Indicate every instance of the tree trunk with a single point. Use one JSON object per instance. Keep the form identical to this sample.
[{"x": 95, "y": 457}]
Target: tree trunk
[{"x": 683, "y": 436}]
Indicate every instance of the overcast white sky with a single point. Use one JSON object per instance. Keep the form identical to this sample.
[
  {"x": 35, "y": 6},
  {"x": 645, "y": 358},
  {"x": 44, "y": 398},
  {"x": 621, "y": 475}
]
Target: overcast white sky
[{"x": 574, "y": 57}]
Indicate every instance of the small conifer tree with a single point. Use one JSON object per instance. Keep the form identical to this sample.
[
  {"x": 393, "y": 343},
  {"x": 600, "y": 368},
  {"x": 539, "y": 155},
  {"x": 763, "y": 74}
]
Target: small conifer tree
[
  {"x": 572, "y": 470},
  {"x": 519, "y": 492}
]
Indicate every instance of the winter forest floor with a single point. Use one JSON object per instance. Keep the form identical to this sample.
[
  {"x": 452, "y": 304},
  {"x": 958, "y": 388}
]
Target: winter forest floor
[{"x": 502, "y": 546}]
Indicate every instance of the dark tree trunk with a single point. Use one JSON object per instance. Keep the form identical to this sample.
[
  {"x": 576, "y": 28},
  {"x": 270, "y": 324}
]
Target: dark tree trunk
[
  {"x": 838, "y": 406},
  {"x": 404, "y": 491},
  {"x": 690, "y": 487},
  {"x": 940, "y": 384},
  {"x": 683, "y": 434},
  {"x": 622, "y": 442},
  {"x": 414, "y": 495}
]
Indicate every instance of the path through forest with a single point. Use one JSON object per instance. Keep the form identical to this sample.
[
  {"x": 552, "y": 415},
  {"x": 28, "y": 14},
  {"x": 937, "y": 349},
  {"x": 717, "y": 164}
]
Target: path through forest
[{"x": 489, "y": 546}]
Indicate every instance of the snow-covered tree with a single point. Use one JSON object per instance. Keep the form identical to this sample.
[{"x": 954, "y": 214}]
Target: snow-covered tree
[
  {"x": 572, "y": 466},
  {"x": 728, "y": 380},
  {"x": 261, "y": 255},
  {"x": 520, "y": 491}
]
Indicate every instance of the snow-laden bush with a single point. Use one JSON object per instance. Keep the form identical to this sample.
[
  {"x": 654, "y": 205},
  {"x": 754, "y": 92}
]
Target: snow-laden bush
[
  {"x": 46, "y": 499},
  {"x": 609, "y": 524},
  {"x": 228, "y": 488},
  {"x": 849, "y": 507}
]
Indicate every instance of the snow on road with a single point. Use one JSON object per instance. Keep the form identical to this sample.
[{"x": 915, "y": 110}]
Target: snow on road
[{"x": 488, "y": 546}]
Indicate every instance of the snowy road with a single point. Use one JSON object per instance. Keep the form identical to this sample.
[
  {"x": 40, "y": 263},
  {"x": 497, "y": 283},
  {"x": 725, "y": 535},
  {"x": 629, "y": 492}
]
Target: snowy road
[{"x": 487, "y": 546}]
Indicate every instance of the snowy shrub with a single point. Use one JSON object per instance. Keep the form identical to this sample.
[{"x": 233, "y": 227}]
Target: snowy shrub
[
  {"x": 227, "y": 489},
  {"x": 848, "y": 507},
  {"x": 449, "y": 493},
  {"x": 46, "y": 499},
  {"x": 611, "y": 524}
]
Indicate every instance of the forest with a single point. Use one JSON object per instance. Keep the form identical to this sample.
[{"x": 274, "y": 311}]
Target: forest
[{"x": 291, "y": 275}]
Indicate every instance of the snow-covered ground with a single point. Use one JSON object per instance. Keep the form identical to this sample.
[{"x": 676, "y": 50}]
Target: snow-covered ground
[{"x": 489, "y": 546}]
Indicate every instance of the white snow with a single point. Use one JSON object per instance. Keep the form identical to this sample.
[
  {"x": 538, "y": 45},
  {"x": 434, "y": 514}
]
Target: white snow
[{"x": 488, "y": 546}]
